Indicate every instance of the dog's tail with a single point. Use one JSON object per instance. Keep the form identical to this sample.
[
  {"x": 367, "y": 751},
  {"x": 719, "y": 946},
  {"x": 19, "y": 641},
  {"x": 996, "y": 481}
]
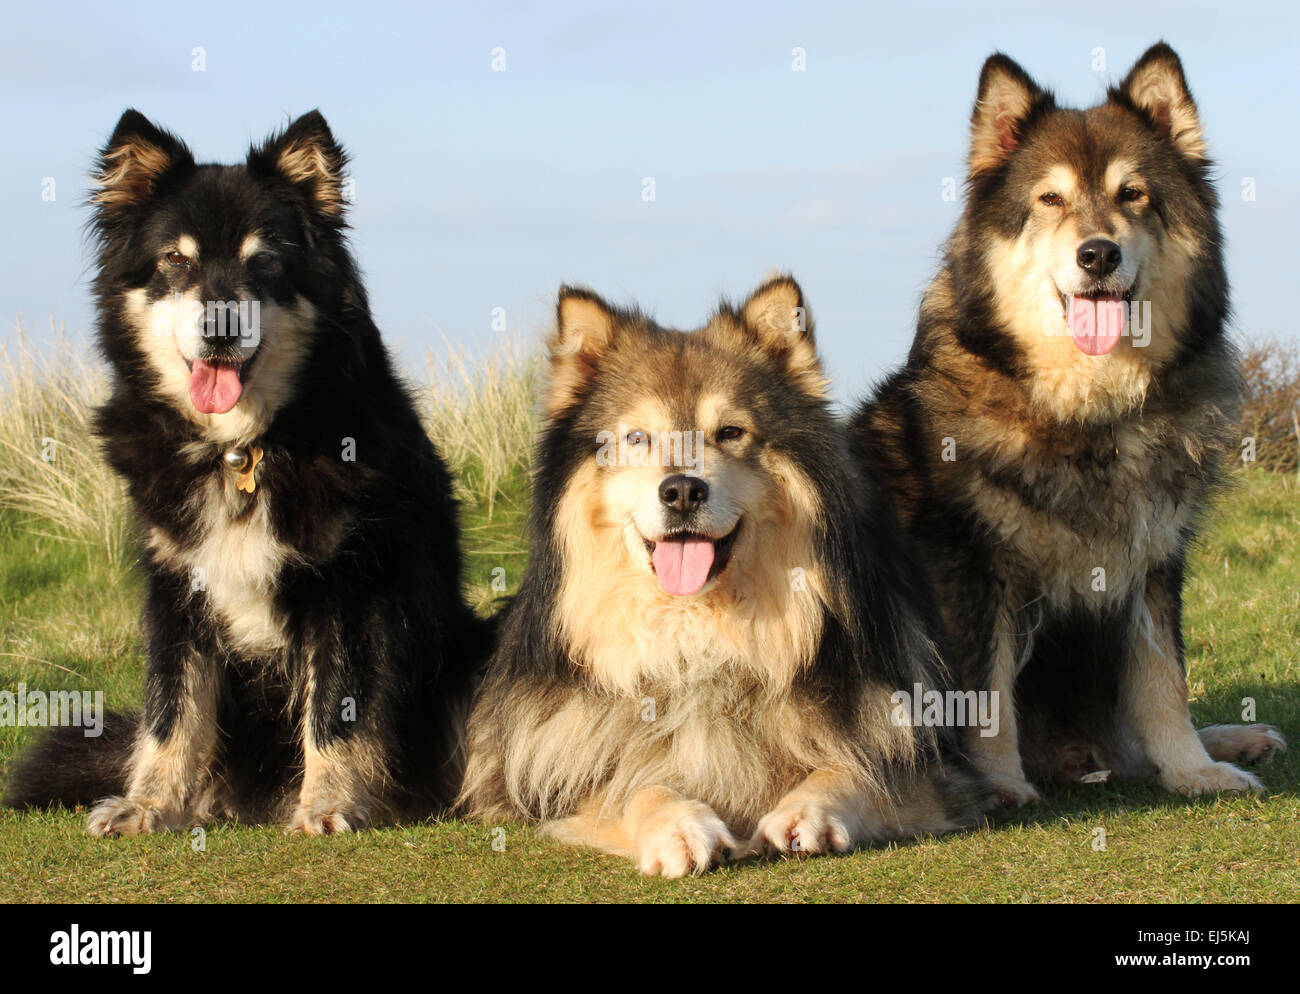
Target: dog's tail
[{"x": 68, "y": 767}]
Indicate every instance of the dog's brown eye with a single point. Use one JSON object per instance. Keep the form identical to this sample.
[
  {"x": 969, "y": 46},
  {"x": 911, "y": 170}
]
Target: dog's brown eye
[
  {"x": 1131, "y": 194},
  {"x": 729, "y": 433},
  {"x": 177, "y": 259},
  {"x": 1051, "y": 199}
]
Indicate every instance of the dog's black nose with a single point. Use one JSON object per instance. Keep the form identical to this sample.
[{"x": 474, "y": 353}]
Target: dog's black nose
[
  {"x": 1099, "y": 256},
  {"x": 683, "y": 493},
  {"x": 221, "y": 323}
]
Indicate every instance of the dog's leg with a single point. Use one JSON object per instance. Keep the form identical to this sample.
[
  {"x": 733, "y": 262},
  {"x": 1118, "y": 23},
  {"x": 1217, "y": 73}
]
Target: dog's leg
[
  {"x": 346, "y": 758},
  {"x": 662, "y": 831},
  {"x": 178, "y": 733},
  {"x": 998, "y": 756},
  {"x": 828, "y": 812},
  {"x": 339, "y": 783},
  {"x": 1153, "y": 696},
  {"x": 1242, "y": 743},
  {"x": 594, "y": 827}
]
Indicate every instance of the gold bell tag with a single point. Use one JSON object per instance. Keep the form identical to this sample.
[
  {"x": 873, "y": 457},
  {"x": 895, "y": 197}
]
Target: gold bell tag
[{"x": 244, "y": 463}]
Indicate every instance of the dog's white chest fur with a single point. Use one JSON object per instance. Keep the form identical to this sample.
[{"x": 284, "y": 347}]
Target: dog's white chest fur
[{"x": 233, "y": 568}]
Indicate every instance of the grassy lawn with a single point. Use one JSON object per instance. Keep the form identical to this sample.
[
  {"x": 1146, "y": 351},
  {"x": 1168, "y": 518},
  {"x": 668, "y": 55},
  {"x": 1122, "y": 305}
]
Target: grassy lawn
[{"x": 68, "y": 620}]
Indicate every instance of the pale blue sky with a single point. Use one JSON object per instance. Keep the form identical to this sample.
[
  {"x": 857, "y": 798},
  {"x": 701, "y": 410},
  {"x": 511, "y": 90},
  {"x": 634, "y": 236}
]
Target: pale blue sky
[{"x": 479, "y": 189}]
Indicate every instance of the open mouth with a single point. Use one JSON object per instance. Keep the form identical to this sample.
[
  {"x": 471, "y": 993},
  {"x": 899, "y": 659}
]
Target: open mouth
[
  {"x": 217, "y": 384},
  {"x": 683, "y": 562},
  {"x": 1097, "y": 318}
]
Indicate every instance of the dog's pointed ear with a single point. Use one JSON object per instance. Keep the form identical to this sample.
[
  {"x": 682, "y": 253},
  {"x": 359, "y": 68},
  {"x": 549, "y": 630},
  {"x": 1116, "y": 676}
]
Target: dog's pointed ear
[
  {"x": 584, "y": 331},
  {"x": 1006, "y": 98},
  {"x": 307, "y": 155},
  {"x": 134, "y": 161},
  {"x": 1157, "y": 87},
  {"x": 775, "y": 314}
]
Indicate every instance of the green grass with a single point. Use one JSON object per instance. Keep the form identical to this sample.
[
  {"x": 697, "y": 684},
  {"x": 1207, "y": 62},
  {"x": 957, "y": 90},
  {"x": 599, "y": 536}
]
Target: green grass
[
  {"x": 68, "y": 620},
  {"x": 64, "y": 608},
  {"x": 1156, "y": 851}
]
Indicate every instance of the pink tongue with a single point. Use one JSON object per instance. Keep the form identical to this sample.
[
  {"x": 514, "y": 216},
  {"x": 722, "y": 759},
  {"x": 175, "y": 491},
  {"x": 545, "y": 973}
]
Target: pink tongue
[
  {"x": 1097, "y": 322},
  {"x": 683, "y": 567},
  {"x": 214, "y": 389}
]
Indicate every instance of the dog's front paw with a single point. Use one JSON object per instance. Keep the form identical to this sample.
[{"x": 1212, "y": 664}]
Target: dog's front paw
[
  {"x": 682, "y": 837},
  {"x": 114, "y": 817},
  {"x": 1242, "y": 743},
  {"x": 1013, "y": 791},
  {"x": 801, "y": 826},
  {"x": 1213, "y": 779},
  {"x": 328, "y": 818}
]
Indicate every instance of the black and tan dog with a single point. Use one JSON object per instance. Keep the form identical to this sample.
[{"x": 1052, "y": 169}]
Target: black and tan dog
[
  {"x": 716, "y": 614},
  {"x": 1061, "y": 426},
  {"x": 310, "y": 656}
]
